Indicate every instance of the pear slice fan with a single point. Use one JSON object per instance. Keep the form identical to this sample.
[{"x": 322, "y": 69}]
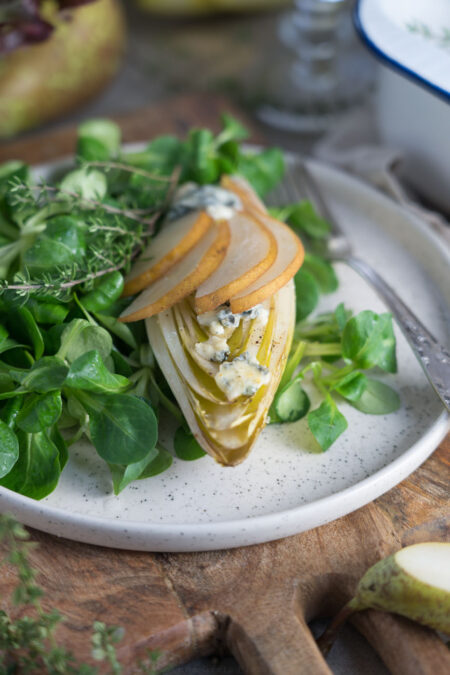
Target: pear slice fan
[
  {"x": 414, "y": 582},
  {"x": 219, "y": 303}
]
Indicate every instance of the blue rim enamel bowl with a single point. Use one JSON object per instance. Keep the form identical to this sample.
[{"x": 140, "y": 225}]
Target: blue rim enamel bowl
[{"x": 411, "y": 40}]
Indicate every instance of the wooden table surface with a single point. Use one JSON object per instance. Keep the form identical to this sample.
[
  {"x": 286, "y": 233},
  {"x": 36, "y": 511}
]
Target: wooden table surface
[{"x": 254, "y": 601}]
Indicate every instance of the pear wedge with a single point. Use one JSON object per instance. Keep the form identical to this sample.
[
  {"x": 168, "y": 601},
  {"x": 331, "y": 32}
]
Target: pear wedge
[
  {"x": 183, "y": 278},
  {"x": 290, "y": 256},
  {"x": 414, "y": 582},
  {"x": 290, "y": 251},
  {"x": 175, "y": 239},
  {"x": 194, "y": 7},
  {"x": 253, "y": 249},
  {"x": 242, "y": 189}
]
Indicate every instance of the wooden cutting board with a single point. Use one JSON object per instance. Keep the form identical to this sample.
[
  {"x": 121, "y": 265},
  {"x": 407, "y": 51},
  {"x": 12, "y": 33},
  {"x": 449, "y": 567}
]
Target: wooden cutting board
[{"x": 254, "y": 601}]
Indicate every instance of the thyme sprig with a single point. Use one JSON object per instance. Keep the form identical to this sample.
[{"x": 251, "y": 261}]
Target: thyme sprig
[
  {"x": 45, "y": 194},
  {"x": 116, "y": 232},
  {"x": 121, "y": 166},
  {"x": 112, "y": 245},
  {"x": 29, "y": 643}
]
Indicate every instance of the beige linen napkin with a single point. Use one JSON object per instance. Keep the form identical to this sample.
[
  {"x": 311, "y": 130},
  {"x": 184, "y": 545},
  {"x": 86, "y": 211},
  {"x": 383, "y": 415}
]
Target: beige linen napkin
[{"x": 353, "y": 145}]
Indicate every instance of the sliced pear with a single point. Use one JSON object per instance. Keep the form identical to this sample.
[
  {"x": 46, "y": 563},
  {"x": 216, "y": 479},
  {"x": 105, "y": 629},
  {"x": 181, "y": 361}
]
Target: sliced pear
[
  {"x": 253, "y": 249},
  {"x": 244, "y": 191},
  {"x": 183, "y": 278},
  {"x": 414, "y": 582},
  {"x": 290, "y": 253},
  {"x": 175, "y": 239},
  {"x": 289, "y": 259}
]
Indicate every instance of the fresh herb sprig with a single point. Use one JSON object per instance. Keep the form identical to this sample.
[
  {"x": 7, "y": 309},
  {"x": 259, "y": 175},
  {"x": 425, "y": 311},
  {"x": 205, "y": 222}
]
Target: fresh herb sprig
[
  {"x": 330, "y": 352},
  {"x": 28, "y": 634}
]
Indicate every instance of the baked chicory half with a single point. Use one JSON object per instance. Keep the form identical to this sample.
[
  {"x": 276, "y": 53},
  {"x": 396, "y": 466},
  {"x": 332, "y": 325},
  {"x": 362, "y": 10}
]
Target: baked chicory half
[{"x": 220, "y": 310}]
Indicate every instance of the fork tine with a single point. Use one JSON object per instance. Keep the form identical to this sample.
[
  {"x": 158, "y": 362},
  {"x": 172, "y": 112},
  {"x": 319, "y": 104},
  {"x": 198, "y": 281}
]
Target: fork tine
[
  {"x": 277, "y": 196},
  {"x": 287, "y": 191},
  {"x": 293, "y": 184},
  {"x": 299, "y": 183}
]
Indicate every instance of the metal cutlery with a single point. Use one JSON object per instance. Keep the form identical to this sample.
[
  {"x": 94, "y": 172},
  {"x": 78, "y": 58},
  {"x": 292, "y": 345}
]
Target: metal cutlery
[{"x": 432, "y": 356}]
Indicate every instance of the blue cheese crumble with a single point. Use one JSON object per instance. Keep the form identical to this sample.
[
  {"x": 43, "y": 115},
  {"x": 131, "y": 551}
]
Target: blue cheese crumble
[
  {"x": 220, "y": 325},
  {"x": 222, "y": 318},
  {"x": 242, "y": 376},
  {"x": 215, "y": 349},
  {"x": 219, "y": 203}
]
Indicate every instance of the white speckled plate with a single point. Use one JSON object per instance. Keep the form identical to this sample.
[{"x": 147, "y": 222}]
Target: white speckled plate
[{"x": 285, "y": 486}]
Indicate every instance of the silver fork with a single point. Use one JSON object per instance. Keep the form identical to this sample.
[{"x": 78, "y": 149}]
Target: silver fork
[{"x": 432, "y": 356}]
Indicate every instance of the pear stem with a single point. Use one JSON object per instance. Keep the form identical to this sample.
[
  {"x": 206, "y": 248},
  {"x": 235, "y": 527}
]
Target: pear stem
[{"x": 328, "y": 638}]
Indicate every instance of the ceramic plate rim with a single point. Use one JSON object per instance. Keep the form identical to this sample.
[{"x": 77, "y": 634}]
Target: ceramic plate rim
[{"x": 329, "y": 507}]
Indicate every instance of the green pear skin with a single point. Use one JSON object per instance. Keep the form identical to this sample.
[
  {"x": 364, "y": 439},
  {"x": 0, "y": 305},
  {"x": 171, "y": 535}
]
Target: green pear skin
[
  {"x": 387, "y": 586},
  {"x": 192, "y": 7},
  {"x": 41, "y": 82}
]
